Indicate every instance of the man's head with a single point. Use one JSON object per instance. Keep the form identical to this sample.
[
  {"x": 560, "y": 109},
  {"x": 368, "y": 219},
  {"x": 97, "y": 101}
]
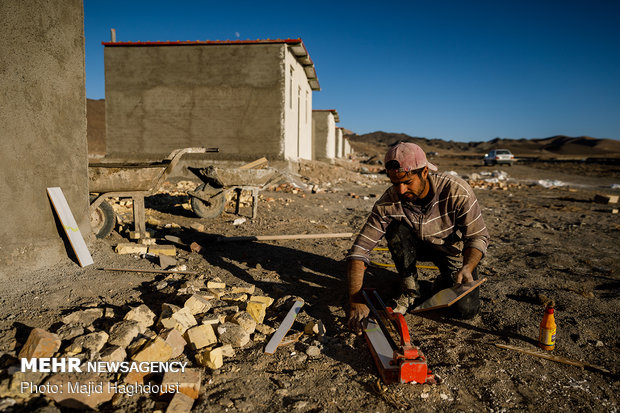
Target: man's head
[{"x": 407, "y": 168}]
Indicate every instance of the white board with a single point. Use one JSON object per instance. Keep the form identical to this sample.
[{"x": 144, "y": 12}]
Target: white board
[
  {"x": 70, "y": 226},
  {"x": 284, "y": 327},
  {"x": 380, "y": 344}
]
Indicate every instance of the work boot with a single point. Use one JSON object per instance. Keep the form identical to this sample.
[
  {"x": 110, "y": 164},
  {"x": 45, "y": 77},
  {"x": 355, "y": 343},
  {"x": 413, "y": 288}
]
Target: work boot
[{"x": 406, "y": 300}]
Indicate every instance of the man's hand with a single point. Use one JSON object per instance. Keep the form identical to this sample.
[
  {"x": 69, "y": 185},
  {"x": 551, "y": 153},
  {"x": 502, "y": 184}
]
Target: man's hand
[
  {"x": 357, "y": 313},
  {"x": 464, "y": 276},
  {"x": 471, "y": 258}
]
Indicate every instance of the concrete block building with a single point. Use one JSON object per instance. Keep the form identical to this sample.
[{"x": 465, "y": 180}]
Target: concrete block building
[
  {"x": 42, "y": 129},
  {"x": 248, "y": 98},
  {"x": 339, "y": 143},
  {"x": 324, "y": 133},
  {"x": 347, "y": 148}
]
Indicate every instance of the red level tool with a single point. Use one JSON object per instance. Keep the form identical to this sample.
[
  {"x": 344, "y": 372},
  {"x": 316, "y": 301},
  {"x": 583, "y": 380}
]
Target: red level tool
[{"x": 387, "y": 334}]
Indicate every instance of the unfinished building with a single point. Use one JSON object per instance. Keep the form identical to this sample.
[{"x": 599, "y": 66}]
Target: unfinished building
[
  {"x": 324, "y": 133},
  {"x": 248, "y": 98},
  {"x": 42, "y": 128}
]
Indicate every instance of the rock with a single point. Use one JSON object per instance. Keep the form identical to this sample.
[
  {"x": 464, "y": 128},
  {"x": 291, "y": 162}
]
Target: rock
[
  {"x": 262, "y": 299},
  {"x": 40, "y": 343},
  {"x": 311, "y": 328},
  {"x": 174, "y": 337},
  {"x": 69, "y": 332},
  {"x": 180, "y": 403},
  {"x": 313, "y": 351},
  {"x": 216, "y": 285},
  {"x": 137, "y": 345},
  {"x": 166, "y": 261},
  {"x": 234, "y": 297},
  {"x": 123, "y": 333},
  {"x": 233, "y": 334},
  {"x": 227, "y": 310},
  {"x": 12, "y": 387},
  {"x": 227, "y": 350},
  {"x": 197, "y": 227},
  {"x": 181, "y": 319},
  {"x": 259, "y": 338},
  {"x": 169, "y": 250},
  {"x": 200, "y": 336},
  {"x": 131, "y": 248},
  {"x": 156, "y": 350},
  {"x": 243, "y": 289},
  {"x": 265, "y": 329},
  {"x": 211, "y": 319},
  {"x": 113, "y": 354},
  {"x": 212, "y": 358},
  {"x": 188, "y": 382},
  {"x": 245, "y": 320},
  {"x": 143, "y": 315},
  {"x": 197, "y": 304},
  {"x": 92, "y": 343},
  {"x": 301, "y": 404},
  {"x": 84, "y": 317},
  {"x": 83, "y": 399},
  {"x": 257, "y": 310}
]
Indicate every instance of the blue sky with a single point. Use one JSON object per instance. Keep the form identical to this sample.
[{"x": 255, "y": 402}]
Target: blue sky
[{"x": 455, "y": 70}]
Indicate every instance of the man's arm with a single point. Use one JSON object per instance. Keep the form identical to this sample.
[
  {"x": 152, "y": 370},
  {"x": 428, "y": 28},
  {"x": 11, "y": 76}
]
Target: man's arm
[
  {"x": 357, "y": 308},
  {"x": 471, "y": 258}
]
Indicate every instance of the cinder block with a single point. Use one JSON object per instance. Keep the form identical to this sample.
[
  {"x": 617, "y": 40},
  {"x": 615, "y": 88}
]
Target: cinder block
[
  {"x": 40, "y": 343},
  {"x": 200, "y": 336},
  {"x": 212, "y": 358},
  {"x": 188, "y": 382},
  {"x": 131, "y": 248}
]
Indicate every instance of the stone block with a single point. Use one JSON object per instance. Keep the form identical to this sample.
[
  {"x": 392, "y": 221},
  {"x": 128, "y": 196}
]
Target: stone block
[
  {"x": 200, "y": 336},
  {"x": 233, "y": 334},
  {"x": 113, "y": 354},
  {"x": 135, "y": 377},
  {"x": 217, "y": 285},
  {"x": 166, "y": 261},
  {"x": 234, "y": 297},
  {"x": 245, "y": 320},
  {"x": 265, "y": 329},
  {"x": 197, "y": 226},
  {"x": 123, "y": 333},
  {"x": 243, "y": 289},
  {"x": 143, "y": 315},
  {"x": 82, "y": 400},
  {"x": 131, "y": 248},
  {"x": 211, "y": 319},
  {"x": 211, "y": 357},
  {"x": 262, "y": 299},
  {"x": 197, "y": 304},
  {"x": 40, "y": 343},
  {"x": 227, "y": 350},
  {"x": 257, "y": 310},
  {"x": 83, "y": 317},
  {"x": 156, "y": 350},
  {"x": 188, "y": 382},
  {"x": 69, "y": 332},
  {"x": 169, "y": 250},
  {"x": 181, "y": 320},
  {"x": 91, "y": 343},
  {"x": 180, "y": 403},
  {"x": 136, "y": 345},
  {"x": 174, "y": 337},
  {"x": 227, "y": 309}
]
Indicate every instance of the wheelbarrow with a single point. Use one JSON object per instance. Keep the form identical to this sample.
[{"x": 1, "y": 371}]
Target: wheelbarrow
[
  {"x": 209, "y": 199},
  {"x": 135, "y": 181}
]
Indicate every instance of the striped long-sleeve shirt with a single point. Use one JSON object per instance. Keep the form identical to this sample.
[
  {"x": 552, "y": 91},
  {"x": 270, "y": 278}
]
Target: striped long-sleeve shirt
[{"x": 451, "y": 220}]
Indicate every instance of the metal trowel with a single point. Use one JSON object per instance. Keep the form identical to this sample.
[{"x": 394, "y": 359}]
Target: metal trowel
[{"x": 448, "y": 296}]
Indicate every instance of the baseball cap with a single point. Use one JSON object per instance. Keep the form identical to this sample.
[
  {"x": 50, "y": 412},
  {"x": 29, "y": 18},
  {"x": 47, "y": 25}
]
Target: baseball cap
[{"x": 409, "y": 157}]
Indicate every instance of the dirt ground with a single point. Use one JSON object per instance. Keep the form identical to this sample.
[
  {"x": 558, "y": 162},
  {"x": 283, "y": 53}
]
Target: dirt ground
[{"x": 552, "y": 242}]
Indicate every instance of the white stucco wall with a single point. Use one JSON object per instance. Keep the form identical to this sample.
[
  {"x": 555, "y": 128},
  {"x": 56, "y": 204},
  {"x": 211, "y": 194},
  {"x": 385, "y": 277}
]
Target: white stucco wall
[
  {"x": 347, "y": 148},
  {"x": 339, "y": 143},
  {"x": 297, "y": 110}
]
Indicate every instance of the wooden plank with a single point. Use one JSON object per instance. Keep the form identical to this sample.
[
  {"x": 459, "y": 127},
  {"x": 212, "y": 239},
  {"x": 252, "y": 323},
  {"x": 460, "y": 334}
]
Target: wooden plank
[
  {"x": 70, "y": 226},
  {"x": 285, "y": 237},
  {"x": 149, "y": 271},
  {"x": 254, "y": 164},
  {"x": 447, "y": 297},
  {"x": 288, "y": 321},
  {"x": 552, "y": 357}
]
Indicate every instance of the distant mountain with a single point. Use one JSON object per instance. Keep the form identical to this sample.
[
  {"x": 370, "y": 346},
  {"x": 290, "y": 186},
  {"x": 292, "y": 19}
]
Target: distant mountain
[{"x": 554, "y": 145}]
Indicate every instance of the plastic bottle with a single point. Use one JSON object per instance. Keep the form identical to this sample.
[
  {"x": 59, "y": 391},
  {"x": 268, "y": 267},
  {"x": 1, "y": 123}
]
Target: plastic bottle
[{"x": 546, "y": 337}]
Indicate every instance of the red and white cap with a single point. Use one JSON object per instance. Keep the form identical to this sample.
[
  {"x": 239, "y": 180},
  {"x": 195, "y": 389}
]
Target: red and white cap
[{"x": 409, "y": 157}]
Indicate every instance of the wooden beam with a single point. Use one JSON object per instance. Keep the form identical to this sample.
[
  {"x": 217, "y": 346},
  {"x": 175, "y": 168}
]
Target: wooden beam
[
  {"x": 254, "y": 164},
  {"x": 553, "y": 358},
  {"x": 70, "y": 226},
  {"x": 285, "y": 237},
  {"x": 149, "y": 271}
]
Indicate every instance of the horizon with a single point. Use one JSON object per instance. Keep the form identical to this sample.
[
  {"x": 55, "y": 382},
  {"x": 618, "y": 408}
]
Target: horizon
[{"x": 450, "y": 71}]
